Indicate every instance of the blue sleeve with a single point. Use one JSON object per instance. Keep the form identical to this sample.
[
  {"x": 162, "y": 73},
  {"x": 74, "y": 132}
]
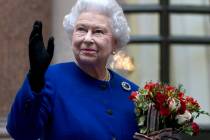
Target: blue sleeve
[{"x": 29, "y": 112}]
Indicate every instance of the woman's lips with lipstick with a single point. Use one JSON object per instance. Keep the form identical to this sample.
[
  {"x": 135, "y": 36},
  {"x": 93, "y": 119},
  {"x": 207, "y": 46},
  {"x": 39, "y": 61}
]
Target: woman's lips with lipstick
[{"x": 88, "y": 50}]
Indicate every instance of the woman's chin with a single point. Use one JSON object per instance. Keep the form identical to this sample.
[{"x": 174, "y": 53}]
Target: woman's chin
[{"x": 87, "y": 60}]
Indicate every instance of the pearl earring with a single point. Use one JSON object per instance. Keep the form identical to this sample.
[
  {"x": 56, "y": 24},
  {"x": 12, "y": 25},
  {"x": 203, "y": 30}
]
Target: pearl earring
[{"x": 113, "y": 52}]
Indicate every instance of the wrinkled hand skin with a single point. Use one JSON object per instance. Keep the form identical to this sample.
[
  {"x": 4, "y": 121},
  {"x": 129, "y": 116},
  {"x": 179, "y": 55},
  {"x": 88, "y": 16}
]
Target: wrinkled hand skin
[
  {"x": 139, "y": 136},
  {"x": 164, "y": 134},
  {"x": 39, "y": 57}
]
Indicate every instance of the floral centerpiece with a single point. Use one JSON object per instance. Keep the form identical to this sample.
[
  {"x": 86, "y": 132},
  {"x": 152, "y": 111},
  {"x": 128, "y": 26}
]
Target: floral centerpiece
[{"x": 175, "y": 109}]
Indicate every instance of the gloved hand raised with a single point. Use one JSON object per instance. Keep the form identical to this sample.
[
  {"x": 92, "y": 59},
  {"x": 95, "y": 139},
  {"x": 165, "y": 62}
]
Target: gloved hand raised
[{"x": 39, "y": 57}]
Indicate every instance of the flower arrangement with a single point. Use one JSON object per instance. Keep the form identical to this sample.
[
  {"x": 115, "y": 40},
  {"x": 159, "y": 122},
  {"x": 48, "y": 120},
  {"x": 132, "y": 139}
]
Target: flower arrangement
[{"x": 176, "y": 110}]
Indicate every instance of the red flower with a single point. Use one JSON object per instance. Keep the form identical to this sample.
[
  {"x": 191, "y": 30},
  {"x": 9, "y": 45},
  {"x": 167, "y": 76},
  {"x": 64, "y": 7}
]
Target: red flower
[
  {"x": 133, "y": 95},
  {"x": 169, "y": 88},
  {"x": 192, "y": 102},
  {"x": 164, "y": 111},
  {"x": 183, "y": 106},
  {"x": 181, "y": 95},
  {"x": 195, "y": 129},
  {"x": 160, "y": 98},
  {"x": 150, "y": 86}
]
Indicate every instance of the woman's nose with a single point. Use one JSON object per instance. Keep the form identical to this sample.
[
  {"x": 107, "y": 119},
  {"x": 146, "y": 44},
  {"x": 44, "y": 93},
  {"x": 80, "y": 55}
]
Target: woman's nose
[{"x": 88, "y": 37}]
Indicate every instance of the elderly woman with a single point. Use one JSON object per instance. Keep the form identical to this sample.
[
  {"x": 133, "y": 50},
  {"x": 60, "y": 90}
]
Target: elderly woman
[{"x": 81, "y": 100}]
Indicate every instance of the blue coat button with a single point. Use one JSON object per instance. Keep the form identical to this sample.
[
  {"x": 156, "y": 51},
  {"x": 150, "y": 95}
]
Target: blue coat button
[{"x": 109, "y": 111}]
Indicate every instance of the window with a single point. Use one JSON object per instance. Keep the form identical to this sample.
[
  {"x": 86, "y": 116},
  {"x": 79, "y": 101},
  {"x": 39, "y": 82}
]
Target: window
[{"x": 175, "y": 42}]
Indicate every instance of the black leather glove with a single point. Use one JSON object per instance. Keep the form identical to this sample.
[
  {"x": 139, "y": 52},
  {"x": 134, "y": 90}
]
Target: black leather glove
[{"x": 39, "y": 57}]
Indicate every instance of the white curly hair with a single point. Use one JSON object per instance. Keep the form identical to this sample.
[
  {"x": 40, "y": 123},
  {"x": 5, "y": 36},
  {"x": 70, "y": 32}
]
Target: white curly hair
[{"x": 110, "y": 8}]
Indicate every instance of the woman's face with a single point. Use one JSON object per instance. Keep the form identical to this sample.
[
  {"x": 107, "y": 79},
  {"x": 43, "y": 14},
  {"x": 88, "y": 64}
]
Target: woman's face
[{"x": 92, "y": 39}]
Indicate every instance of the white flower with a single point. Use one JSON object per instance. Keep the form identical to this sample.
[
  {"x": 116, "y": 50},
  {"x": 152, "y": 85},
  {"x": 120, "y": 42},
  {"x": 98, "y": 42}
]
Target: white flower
[
  {"x": 174, "y": 104},
  {"x": 183, "y": 117}
]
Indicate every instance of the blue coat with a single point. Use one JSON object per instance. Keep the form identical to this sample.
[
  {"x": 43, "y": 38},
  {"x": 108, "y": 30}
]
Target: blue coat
[{"x": 73, "y": 106}]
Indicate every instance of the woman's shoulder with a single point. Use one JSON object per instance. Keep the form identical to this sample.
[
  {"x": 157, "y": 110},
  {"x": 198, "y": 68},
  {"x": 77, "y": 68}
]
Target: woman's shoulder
[
  {"x": 59, "y": 69},
  {"x": 60, "y": 66}
]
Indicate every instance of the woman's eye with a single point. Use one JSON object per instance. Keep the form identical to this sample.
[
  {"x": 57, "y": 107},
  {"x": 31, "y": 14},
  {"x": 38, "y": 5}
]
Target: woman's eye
[
  {"x": 99, "y": 32},
  {"x": 80, "y": 29}
]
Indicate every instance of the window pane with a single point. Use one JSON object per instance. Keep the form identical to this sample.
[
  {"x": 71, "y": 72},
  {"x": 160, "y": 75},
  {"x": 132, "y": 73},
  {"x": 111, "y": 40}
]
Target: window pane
[
  {"x": 190, "y": 66},
  {"x": 143, "y": 24},
  {"x": 189, "y": 2},
  {"x": 195, "y": 25},
  {"x": 138, "y": 1},
  {"x": 146, "y": 63}
]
